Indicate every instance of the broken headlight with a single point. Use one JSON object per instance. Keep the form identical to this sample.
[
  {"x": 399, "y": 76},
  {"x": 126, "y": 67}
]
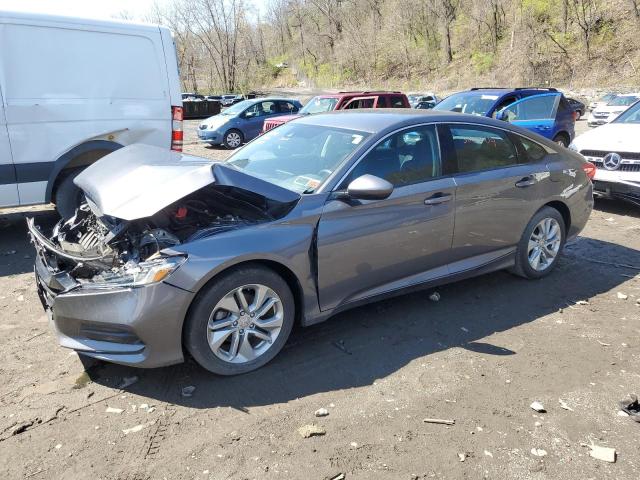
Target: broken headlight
[{"x": 133, "y": 274}]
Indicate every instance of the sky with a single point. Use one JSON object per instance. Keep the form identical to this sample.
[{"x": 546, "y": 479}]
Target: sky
[{"x": 102, "y": 9}]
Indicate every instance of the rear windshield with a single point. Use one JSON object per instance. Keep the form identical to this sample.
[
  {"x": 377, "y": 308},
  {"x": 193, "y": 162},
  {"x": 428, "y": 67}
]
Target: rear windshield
[
  {"x": 623, "y": 101},
  {"x": 474, "y": 103}
]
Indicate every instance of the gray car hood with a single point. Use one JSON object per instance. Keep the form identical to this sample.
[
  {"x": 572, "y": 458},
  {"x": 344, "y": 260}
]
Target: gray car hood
[{"x": 139, "y": 180}]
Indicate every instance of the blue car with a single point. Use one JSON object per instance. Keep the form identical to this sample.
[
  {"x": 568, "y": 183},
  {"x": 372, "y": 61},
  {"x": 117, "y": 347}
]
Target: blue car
[
  {"x": 543, "y": 111},
  {"x": 243, "y": 121}
]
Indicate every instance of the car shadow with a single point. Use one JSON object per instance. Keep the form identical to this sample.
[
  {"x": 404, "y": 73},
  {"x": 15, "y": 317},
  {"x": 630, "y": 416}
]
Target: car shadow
[
  {"x": 618, "y": 207},
  {"x": 16, "y": 252},
  {"x": 357, "y": 347}
]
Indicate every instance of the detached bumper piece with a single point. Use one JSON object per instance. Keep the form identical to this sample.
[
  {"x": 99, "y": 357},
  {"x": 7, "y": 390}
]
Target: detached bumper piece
[
  {"x": 139, "y": 326},
  {"x": 620, "y": 191}
]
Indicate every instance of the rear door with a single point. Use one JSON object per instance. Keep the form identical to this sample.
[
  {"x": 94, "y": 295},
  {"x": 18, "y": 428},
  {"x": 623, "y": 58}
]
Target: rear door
[
  {"x": 8, "y": 186},
  {"x": 255, "y": 116},
  {"x": 499, "y": 189},
  {"x": 536, "y": 113},
  {"x": 368, "y": 247}
]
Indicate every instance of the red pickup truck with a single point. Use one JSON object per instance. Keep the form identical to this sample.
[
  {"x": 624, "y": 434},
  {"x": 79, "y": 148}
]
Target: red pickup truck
[{"x": 343, "y": 101}]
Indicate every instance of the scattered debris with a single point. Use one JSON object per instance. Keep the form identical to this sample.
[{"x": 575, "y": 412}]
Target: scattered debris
[
  {"x": 188, "y": 391},
  {"x": 538, "y": 452},
  {"x": 321, "y": 412},
  {"x": 340, "y": 476},
  {"x": 462, "y": 456},
  {"x": 488, "y": 453},
  {"x": 622, "y": 296},
  {"x": 564, "y": 405},
  {"x": 538, "y": 424},
  {"x": 137, "y": 428},
  {"x": 622, "y": 413},
  {"x": 21, "y": 298},
  {"x": 22, "y": 427},
  {"x": 434, "y": 297},
  {"x": 353, "y": 444},
  {"x": 582, "y": 302},
  {"x": 340, "y": 346},
  {"x": 58, "y": 446},
  {"x": 538, "y": 407},
  {"x": 631, "y": 407},
  {"x": 603, "y": 344},
  {"x": 127, "y": 382},
  {"x": 114, "y": 410},
  {"x": 606, "y": 454},
  {"x": 308, "y": 431},
  {"x": 439, "y": 421}
]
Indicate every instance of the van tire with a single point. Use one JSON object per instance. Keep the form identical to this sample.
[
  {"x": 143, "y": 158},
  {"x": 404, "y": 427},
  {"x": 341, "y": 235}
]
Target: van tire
[
  {"x": 561, "y": 139},
  {"x": 68, "y": 196}
]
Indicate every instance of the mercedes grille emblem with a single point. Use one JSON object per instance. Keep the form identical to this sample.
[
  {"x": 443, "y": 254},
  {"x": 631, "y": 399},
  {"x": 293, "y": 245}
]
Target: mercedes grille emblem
[{"x": 611, "y": 161}]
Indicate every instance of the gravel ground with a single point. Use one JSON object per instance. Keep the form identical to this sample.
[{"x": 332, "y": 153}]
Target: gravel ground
[{"x": 480, "y": 356}]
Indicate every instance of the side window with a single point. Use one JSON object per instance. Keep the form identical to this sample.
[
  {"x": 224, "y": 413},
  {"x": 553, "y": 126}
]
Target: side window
[
  {"x": 407, "y": 157},
  {"x": 538, "y": 107},
  {"x": 360, "y": 103},
  {"x": 505, "y": 102},
  {"x": 396, "y": 101},
  {"x": 533, "y": 151},
  {"x": 287, "y": 107},
  {"x": 482, "y": 148},
  {"x": 266, "y": 108},
  {"x": 382, "y": 103}
]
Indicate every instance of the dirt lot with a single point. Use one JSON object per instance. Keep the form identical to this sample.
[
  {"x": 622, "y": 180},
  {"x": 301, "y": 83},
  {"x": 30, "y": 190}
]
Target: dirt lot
[{"x": 479, "y": 356}]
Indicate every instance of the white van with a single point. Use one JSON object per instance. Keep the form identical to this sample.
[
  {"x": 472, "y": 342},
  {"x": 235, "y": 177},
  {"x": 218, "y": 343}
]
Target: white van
[{"x": 73, "y": 90}]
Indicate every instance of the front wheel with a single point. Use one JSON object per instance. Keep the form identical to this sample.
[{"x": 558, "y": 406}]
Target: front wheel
[
  {"x": 541, "y": 244},
  {"x": 233, "y": 139},
  {"x": 68, "y": 196},
  {"x": 241, "y": 321}
]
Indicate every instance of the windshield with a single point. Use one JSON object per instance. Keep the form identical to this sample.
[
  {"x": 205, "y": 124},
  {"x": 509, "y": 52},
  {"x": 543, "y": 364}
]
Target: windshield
[
  {"x": 319, "y": 105},
  {"x": 296, "y": 156},
  {"x": 468, "y": 102},
  {"x": 237, "y": 108},
  {"x": 608, "y": 97},
  {"x": 622, "y": 101},
  {"x": 631, "y": 115}
]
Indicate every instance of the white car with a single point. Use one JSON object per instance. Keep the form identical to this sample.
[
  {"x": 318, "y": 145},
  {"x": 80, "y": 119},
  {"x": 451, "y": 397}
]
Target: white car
[
  {"x": 73, "y": 90},
  {"x": 603, "y": 100},
  {"x": 609, "y": 112},
  {"x": 615, "y": 151}
]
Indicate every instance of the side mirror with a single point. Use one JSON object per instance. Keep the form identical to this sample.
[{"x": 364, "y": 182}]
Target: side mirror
[
  {"x": 249, "y": 114},
  {"x": 369, "y": 187}
]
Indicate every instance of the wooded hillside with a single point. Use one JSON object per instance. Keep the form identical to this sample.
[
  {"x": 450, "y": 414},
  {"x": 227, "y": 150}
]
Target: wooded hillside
[{"x": 225, "y": 45}]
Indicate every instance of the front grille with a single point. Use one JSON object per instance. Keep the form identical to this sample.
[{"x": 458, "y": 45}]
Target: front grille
[
  {"x": 602, "y": 153},
  {"x": 624, "y": 167}
]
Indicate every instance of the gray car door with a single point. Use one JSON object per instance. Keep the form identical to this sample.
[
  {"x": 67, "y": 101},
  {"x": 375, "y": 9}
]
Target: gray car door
[
  {"x": 369, "y": 247},
  {"x": 499, "y": 188},
  {"x": 8, "y": 186}
]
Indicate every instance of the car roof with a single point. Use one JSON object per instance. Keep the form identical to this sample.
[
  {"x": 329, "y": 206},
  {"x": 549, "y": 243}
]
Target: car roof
[
  {"x": 379, "y": 119},
  {"x": 358, "y": 93}
]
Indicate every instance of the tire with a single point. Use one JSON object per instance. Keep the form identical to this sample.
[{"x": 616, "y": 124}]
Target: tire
[
  {"x": 233, "y": 139},
  {"x": 561, "y": 139},
  {"x": 206, "y": 312},
  {"x": 578, "y": 115},
  {"x": 523, "y": 266},
  {"x": 68, "y": 196}
]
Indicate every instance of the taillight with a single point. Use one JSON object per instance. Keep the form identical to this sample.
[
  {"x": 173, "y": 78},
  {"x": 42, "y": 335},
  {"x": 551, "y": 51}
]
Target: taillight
[
  {"x": 176, "y": 128},
  {"x": 590, "y": 169}
]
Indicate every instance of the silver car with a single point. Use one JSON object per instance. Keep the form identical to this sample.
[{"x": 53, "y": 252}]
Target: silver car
[{"x": 172, "y": 254}]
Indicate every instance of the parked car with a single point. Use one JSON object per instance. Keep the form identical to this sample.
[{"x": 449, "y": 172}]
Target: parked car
[
  {"x": 543, "y": 111},
  {"x": 213, "y": 98},
  {"x": 64, "y": 104},
  {"x": 609, "y": 112},
  {"x": 228, "y": 100},
  {"x": 192, "y": 97},
  {"x": 343, "y": 101},
  {"x": 602, "y": 101},
  {"x": 578, "y": 107},
  {"x": 320, "y": 215},
  {"x": 615, "y": 151},
  {"x": 425, "y": 105},
  {"x": 243, "y": 121},
  {"x": 416, "y": 98}
]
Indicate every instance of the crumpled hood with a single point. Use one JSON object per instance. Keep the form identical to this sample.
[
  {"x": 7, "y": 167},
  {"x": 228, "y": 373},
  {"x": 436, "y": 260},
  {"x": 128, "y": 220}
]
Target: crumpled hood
[
  {"x": 139, "y": 180},
  {"x": 612, "y": 137}
]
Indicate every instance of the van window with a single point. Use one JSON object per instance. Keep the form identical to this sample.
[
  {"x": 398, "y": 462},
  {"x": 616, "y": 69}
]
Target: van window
[{"x": 67, "y": 64}]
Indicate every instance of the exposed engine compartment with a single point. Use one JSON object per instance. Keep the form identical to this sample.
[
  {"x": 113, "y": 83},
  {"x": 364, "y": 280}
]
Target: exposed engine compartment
[{"x": 96, "y": 247}]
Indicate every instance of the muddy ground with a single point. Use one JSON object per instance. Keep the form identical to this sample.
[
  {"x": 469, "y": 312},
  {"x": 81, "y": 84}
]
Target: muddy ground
[{"x": 480, "y": 356}]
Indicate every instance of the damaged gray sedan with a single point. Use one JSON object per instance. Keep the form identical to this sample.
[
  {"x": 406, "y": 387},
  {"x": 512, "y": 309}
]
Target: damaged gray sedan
[{"x": 172, "y": 254}]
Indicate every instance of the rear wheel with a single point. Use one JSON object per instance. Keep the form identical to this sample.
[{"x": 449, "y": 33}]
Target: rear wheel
[
  {"x": 68, "y": 196},
  {"x": 561, "y": 139},
  {"x": 241, "y": 321},
  {"x": 233, "y": 139},
  {"x": 541, "y": 244}
]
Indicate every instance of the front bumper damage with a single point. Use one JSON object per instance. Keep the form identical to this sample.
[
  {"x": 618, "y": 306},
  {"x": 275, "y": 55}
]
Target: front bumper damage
[
  {"x": 137, "y": 326},
  {"x": 617, "y": 185}
]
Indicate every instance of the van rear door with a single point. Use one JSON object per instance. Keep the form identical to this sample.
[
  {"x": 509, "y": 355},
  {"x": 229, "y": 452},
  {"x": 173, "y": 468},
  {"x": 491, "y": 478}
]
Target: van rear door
[{"x": 8, "y": 186}]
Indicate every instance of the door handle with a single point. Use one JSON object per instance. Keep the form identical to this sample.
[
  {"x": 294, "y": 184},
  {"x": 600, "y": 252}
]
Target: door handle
[
  {"x": 438, "y": 198},
  {"x": 526, "y": 182},
  {"x": 544, "y": 127}
]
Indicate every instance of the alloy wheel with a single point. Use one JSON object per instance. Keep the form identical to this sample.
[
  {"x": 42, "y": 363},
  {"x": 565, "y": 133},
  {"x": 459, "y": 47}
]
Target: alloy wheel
[
  {"x": 233, "y": 139},
  {"x": 245, "y": 323},
  {"x": 544, "y": 244}
]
